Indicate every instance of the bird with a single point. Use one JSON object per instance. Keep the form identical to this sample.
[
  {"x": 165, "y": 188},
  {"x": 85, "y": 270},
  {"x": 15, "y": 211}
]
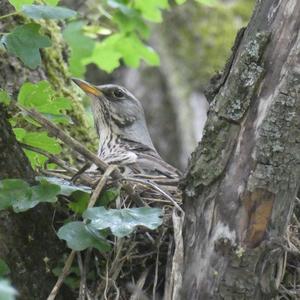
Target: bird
[{"x": 124, "y": 139}]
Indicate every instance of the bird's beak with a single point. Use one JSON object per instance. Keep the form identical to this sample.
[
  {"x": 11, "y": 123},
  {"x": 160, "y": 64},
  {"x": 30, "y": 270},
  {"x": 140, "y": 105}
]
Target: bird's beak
[{"x": 87, "y": 87}]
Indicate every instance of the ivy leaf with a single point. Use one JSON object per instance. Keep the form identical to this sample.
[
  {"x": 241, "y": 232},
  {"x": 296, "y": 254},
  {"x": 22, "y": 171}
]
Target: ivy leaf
[
  {"x": 66, "y": 187},
  {"x": 47, "y": 12},
  {"x": 7, "y": 292},
  {"x": 109, "y": 196},
  {"x": 123, "y": 221},
  {"x": 19, "y": 3},
  {"x": 24, "y": 42},
  {"x": 43, "y": 192},
  {"x": 4, "y": 97},
  {"x": 13, "y": 190},
  {"x": 78, "y": 237},
  {"x": 79, "y": 202},
  {"x": 17, "y": 193},
  {"x": 81, "y": 46}
]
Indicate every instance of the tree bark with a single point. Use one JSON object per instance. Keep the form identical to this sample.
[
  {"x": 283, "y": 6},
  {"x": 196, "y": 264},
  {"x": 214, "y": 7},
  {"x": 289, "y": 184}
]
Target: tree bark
[
  {"x": 243, "y": 177},
  {"x": 28, "y": 242}
]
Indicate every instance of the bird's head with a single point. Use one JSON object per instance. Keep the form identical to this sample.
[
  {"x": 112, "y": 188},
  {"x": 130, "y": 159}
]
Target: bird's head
[{"x": 117, "y": 111}]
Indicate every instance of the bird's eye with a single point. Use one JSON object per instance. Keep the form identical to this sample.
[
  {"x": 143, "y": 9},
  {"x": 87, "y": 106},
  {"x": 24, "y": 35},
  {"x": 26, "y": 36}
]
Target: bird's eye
[{"x": 118, "y": 93}]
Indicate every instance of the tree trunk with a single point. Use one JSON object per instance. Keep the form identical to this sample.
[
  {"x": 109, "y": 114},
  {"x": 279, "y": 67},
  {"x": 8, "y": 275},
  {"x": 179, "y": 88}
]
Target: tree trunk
[
  {"x": 28, "y": 242},
  {"x": 243, "y": 177}
]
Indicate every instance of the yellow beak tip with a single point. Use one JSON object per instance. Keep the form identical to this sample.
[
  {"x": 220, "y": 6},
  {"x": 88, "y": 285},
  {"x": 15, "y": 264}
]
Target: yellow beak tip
[{"x": 87, "y": 87}]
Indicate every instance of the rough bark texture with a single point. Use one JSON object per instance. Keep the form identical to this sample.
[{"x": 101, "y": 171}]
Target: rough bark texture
[
  {"x": 28, "y": 243},
  {"x": 243, "y": 177},
  {"x": 13, "y": 162}
]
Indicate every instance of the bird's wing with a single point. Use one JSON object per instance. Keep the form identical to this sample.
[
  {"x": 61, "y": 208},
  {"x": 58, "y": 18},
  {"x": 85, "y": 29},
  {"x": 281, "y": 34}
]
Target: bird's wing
[{"x": 149, "y": 162}]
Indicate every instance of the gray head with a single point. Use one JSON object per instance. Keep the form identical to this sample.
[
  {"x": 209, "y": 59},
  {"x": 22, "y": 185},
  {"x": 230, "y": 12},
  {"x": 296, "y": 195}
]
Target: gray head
[{"x": 116, "y": 111}]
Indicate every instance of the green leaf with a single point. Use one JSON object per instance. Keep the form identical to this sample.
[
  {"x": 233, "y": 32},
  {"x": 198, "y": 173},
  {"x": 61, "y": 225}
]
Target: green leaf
[
  {"x": 78, "y": 237},
  {"x": 36, "y": 159},
  {"x": 79, "y": 202},
  {"x": 179, "y": 2},
  {"x": 24, "y": 42},
  {"x": 17, "y": 194},
  {"x": 207, "y": 2},
  {"x": 20, "y": 133},
  {"x": 4, "y": 97},
  {"x": 107, "y": 54},
  {"x": 123, "y": 221},
  {"x": 19, "y": 3},
  {"x": 44, "y": 192},
  {"x": 133, "y": 50},
  {"x": 109, "y": 196},
  {"x": 7, "y": 292},
  {"x": 42, "y": 98},
  {"x": 40, "y": 140},
  {"x": 47, "y": 12},
  {"x": 81, "y": 46},
  {"x": 12, "y": 191},
  {"x": 66, "y": 187},
  {"x": 4, "y": 268},
  {"x": 151, "y": 10},
  {"x": 130, "y": 23}
]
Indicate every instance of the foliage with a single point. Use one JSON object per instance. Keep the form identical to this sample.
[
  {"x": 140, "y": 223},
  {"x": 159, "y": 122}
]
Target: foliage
[
  {"x": 4, "y": 268},
  {"x": 17, "y": 194},
  {"x": 7, "y": 292},
  {"x": 25, "y": 41},
  {"x": 79, "y": 237},
  {"x": 122, "y": 222},
  {"x": 47, "y": 12},
  {"x": 129, "y": 17}
]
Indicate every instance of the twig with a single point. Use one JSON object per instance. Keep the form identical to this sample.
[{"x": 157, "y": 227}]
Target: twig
[
  {"x": 82, "y": 287},
  {"x": 55, "y": 174},
  {"x": 101, "y": 184},
  {"x": 51, "y": 157},
  {"x": 68, "y": 140},
  {"x": 156, "y": 273},
  {"x": 9, "y": 15},
  {"x": 70, "y": 258},
  {"x": 62, "y": 276},
  {"x": 157, "y": 188}
]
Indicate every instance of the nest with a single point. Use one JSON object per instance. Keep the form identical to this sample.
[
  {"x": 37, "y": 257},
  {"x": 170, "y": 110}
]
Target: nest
[{"x": 138, "y": 264}]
